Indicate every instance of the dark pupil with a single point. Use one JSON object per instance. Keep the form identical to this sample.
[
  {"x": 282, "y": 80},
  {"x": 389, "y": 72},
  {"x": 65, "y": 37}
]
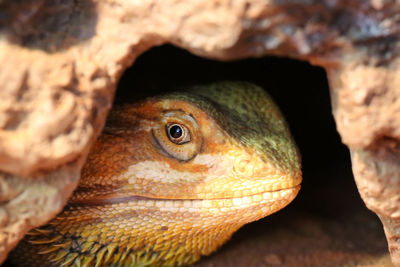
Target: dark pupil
[{"x": 175, "y": 131}]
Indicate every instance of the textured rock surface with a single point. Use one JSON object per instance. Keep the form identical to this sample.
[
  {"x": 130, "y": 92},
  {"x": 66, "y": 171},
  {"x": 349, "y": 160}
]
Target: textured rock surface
[
  {"x": 28, "y": 202},
  {"x": 61, "y": 61}
]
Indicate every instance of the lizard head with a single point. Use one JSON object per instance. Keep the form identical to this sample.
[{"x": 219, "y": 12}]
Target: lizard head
[
  {"x": 172, "y": 177},
  {"x": 221, "y": 155},
  {"x": 221, "y": 141}
]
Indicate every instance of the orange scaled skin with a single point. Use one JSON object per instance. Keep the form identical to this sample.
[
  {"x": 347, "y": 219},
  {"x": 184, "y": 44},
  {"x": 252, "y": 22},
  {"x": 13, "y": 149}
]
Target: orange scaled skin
[{"x": 144, "y": 200}]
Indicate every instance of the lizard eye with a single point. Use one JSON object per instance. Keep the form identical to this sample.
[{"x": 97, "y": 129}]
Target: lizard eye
[{"x": 177, "y": 135}]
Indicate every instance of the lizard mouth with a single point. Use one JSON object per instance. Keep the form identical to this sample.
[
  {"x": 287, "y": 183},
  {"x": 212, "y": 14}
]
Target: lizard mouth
[{"x": 269, "y": 196}]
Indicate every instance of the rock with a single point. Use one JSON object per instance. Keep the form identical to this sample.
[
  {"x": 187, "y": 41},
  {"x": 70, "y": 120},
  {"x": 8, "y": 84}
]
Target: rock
[
  {"x": 273, "y": 259},
  {"x": 62, "y": 60},
  {"x": 30, "y": 201}
]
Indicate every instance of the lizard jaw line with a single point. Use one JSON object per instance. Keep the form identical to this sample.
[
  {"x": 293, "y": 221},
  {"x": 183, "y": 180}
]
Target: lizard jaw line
[{"x": 150, "y": 201}]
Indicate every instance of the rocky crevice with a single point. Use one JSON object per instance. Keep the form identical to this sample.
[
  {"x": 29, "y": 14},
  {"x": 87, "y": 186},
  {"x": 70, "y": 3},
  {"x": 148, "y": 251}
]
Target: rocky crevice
[{"x": 62, "y": 59}]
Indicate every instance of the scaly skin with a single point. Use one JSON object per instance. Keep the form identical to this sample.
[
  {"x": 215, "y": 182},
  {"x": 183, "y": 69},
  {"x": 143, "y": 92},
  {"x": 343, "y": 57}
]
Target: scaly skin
[{"x": 144, "y": 200}]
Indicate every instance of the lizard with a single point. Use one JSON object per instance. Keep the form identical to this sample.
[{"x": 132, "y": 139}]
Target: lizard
[{"x": 171, "y": 178}]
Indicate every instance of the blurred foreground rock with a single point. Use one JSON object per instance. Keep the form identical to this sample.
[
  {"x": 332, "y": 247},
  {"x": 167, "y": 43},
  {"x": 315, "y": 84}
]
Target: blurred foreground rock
[{"x": 61, "y": 61}]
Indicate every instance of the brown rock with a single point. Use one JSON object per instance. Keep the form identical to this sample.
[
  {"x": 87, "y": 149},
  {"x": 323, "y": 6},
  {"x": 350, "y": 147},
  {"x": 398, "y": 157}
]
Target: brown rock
[
  {"x": 26, "y": 203},
  {"x": 273, "y": 259},
  {"x": 61, "y": 61}
]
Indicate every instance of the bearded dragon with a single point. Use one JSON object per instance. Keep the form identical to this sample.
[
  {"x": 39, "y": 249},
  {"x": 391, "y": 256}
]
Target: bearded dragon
[{"x": 170, "y": 179}]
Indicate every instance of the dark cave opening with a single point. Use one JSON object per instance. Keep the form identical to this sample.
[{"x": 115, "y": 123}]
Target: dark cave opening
[{"x": 328, "y": 213}]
